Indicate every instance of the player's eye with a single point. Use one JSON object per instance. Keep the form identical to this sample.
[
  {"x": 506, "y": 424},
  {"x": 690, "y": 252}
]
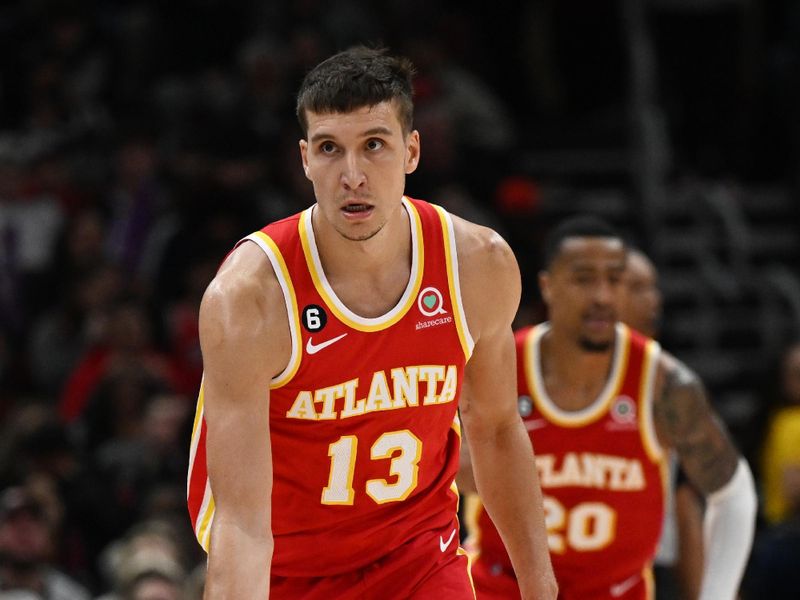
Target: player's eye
[
  {"x": 374, "y": 144},
  {"x": 327, "y": 147}
]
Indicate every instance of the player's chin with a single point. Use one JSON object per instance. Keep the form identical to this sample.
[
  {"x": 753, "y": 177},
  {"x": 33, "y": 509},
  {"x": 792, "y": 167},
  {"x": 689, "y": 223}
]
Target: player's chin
[
  {"x": 596, "y": 343},
  {"x": 359, "y": 234}
]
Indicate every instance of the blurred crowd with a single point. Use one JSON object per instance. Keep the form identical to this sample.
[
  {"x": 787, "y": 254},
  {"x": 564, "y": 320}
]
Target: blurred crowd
[{"x": 139, "y": 140}]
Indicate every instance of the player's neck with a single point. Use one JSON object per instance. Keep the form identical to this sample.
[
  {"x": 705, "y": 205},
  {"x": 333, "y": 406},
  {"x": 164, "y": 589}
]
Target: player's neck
[
  {"x": 368, "y": 276},
  {"x": 574, "y": 376},
  {"x": 341, "y": 255}
]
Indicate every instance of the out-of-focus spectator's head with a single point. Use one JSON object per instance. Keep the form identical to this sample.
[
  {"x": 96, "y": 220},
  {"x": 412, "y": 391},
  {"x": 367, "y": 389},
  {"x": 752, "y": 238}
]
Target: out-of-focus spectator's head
[
  {"x": 263, "y": 63},
  {"x": 84, "y": 238},
  {"x": 790, "y": 375},
  {"x": 47, "y": 449},
  {"x": 154, "y": 585},
  {"x": 130, "y": 328},
  {"x": 642, "y": 308},
  {"x": 98, "y": 288},
  {"x": 34, "y": 442},
  {"x": 164, "y": 419},
  {"x": 147, "y": 563},
  {"x": 25, "y": 534},
  {"x": 137, "y": 159}
]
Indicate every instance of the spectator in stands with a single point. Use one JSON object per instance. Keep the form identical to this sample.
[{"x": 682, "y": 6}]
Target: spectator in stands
[
  {"x": 773, "y": 569},
  {"x": 146, "y": 564},
  {"x": 26, "y": 548},
  {"x": 113, "y": 375},
  {"x": 781, "y": 454}
]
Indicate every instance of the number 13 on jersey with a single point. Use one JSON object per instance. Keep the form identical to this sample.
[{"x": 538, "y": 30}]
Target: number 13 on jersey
[{"x": 403, "y": 447}]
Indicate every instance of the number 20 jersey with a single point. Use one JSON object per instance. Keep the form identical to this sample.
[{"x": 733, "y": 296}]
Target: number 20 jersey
[
  {"x": 601, "y": 472},
  {"x": 363, "y": 424}
]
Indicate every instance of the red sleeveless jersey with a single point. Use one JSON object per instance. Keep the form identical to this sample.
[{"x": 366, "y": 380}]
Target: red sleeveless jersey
[
  {"x": 601, "y": 471},
  {"x": 364, "y": 430}
]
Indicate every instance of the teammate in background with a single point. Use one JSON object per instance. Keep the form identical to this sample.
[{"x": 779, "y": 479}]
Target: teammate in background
[
  {"x": 678, "y": 564},
  {"x": 603, "y": 404},
  {"x": 335, "y": 346},
  {"x": 642, "y": 303}
]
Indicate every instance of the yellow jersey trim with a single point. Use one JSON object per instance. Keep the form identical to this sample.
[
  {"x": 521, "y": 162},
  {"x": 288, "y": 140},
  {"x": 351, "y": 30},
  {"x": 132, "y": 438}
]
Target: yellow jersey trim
[
  {"x": 599, "y": 407},
  {"x": 451, "y": 258},
  {"x": 195, "y": 439},
  {"x": 282, "y": 274},
  {"x": 647, "y": 424},
  {"x": 456, "y": 425},
  {"x": 344, "y": 314},
  {"x": 205, "y": 519}
]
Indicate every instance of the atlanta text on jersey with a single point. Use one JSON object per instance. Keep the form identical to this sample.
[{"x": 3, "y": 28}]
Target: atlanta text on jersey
[
  {"x": 601, "y": 471},
  {"x": 400, "y": 388}
]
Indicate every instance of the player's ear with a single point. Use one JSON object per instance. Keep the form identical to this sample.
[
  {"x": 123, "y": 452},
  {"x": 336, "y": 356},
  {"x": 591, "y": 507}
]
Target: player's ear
[
  {"x": 304, "y": 157},
  {"x": 544, "y": 286},
  {"x": 412, "y": 152}
]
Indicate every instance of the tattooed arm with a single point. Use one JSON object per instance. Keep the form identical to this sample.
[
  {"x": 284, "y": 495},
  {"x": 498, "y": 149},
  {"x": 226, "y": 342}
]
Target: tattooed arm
[{"x": 686, "y": 422}]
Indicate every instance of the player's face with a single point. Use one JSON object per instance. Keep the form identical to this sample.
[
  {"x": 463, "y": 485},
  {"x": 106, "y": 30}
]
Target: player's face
[
  {"x": 358, "y": 162},
  {"x": 643, "y": 302},
  {"x": 584, "y": 290}
]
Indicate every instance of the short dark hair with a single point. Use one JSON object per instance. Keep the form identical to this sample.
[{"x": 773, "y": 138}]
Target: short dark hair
[
  {"x": 578, "y": 226},
  {"x": 354, "y": 78}
]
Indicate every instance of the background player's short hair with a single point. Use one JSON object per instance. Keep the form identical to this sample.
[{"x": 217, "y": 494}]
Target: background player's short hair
[
  {"x": 358, "y": 77},
  {"x": 584, "y": 225}
]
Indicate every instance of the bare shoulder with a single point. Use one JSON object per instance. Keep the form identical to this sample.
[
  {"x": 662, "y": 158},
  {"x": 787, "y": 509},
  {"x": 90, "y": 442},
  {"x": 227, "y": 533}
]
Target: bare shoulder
[
  {"x": 489, "y": 275},
  {"x": 483, "y": 250},
  {"x": 685, "y": 420},
  {"x": 243, "y": 304}
]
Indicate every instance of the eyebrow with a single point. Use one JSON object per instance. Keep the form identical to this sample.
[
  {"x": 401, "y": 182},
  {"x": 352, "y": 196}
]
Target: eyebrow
[{"x": 370, "y": 132}]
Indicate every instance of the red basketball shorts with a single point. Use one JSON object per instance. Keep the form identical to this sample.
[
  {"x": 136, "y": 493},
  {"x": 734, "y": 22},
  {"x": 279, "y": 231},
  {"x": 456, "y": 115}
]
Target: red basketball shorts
[{"x": 417, "y": 570}]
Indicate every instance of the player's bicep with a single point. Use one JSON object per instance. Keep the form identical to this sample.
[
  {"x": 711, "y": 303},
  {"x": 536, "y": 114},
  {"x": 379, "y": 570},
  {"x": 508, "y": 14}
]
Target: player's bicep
[
  {"x": 489, "y": 392},
  {"x": 491, "y": 292},
  {"x": 239, "y": 360},
  {"x": 686, "y": 422}
]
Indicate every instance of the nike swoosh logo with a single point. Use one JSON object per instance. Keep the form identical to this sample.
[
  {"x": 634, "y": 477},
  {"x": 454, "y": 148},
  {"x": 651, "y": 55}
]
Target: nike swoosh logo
[
  {"x": 618, "y": 589},
  {"x": 444, "y": 545},
  {"x": 312, "y": 348},
  {"x": 535, "y": 424}
]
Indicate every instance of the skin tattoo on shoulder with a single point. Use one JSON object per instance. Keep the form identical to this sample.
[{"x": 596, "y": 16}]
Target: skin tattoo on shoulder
[{"x": 682, "y": 412}]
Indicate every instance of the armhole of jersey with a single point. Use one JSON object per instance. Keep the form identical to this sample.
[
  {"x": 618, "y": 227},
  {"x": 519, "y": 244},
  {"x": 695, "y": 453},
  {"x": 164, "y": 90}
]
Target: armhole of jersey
[
  {"x": 451, "y": 258},
  {"x": 282, "y": 273},
  {"x": 648, "y": 382},
  {"x": 196, "y": 425},
  {"x": 206, "y": 517},
  {"x": 197, "y": 479}
]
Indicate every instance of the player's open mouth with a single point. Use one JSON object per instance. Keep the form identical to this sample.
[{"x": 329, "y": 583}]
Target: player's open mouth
[{"x": 357, "y": 208}]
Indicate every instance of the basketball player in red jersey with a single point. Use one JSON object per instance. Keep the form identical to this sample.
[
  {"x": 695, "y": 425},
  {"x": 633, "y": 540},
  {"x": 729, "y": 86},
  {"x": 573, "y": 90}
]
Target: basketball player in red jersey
[
  {"x": 602, "y": 405},
  {"x": 678, "y": 561},
  {"x": 336, "y": 343}
]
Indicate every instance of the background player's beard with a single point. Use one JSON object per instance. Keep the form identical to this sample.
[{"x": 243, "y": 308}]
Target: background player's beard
[{"x": 594, "y": 347}]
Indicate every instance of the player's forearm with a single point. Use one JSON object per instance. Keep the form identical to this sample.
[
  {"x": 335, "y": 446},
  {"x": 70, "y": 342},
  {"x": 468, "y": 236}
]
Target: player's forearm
[
  {"x": 728, "y": 535},
  {"x": 506, "y": 479},
  {"x": 238, "y": 564}
]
